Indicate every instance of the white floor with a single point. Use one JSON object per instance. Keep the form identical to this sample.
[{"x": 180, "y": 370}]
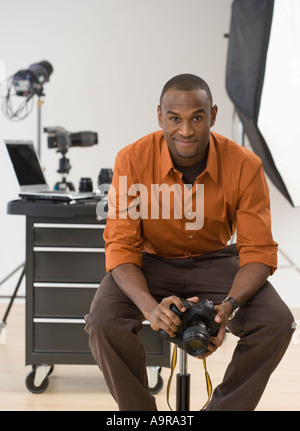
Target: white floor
[{"x": 82, "y": 387}]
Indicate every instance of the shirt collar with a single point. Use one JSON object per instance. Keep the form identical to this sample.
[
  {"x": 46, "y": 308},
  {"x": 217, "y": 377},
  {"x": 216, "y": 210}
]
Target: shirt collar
[
  {"x": 166, "y": 159},
  {"x": 211, "y": 165},
  {"x": 212, "y": 160}
]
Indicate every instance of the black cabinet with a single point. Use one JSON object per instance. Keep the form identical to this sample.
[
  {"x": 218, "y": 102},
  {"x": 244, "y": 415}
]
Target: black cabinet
[{"x": 65, "y": 263}]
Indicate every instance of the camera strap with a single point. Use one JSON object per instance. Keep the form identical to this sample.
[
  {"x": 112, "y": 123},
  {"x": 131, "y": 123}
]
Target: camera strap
[
  {"x": 173, "y": 365},
  {"x": 207, "y": 379},
  {"x": 208, "y": 384}
]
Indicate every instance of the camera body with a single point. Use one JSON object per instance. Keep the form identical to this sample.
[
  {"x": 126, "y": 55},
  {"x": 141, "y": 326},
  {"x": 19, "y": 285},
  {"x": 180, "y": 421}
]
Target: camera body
[
  {"x": 197, "y": 326},
  {"x": 59, "y": 138}
]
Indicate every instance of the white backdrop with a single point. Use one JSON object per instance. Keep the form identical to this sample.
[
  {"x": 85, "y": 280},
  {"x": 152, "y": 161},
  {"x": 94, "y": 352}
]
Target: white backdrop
[{"x": 110, "y": 59}]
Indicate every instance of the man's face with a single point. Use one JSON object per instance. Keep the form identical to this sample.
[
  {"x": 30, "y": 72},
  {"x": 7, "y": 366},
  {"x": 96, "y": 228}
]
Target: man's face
[{"x": 186, "y": 118}]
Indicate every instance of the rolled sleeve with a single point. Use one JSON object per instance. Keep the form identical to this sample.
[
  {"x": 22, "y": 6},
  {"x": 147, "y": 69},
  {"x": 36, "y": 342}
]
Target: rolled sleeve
[
  {"x": 254, "y": 236},
  {"x": 123, "y": 244},
  {"x": 122, "y": 234}
]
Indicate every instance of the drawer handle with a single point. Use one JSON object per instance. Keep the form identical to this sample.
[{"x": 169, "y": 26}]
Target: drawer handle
[
  {"x": 70, "y": 249},
  {"x": 60, "y": 320},
  {"x": 63, "y": 285},
  {"x": 68, "y": 226},
  {"x": 50, "y": 320}
]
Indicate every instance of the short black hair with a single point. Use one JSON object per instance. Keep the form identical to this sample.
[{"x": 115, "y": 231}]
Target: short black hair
[{"x": 186, "y": 82}]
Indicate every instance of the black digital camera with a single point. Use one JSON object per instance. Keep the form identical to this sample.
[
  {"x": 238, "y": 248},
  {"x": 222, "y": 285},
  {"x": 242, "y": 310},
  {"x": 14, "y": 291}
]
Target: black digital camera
[{"x": 197, "y": 326}]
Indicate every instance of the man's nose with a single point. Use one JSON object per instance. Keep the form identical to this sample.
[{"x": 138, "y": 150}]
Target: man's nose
[{"x": 186, "y": 129}]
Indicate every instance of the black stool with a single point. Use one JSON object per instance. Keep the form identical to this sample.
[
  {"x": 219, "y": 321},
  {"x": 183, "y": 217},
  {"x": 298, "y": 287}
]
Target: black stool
[{"x": 183, "y": 382}]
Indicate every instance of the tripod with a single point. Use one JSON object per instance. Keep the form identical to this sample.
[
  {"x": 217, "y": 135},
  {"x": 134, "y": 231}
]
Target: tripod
[{"x": 64, "y": 169}]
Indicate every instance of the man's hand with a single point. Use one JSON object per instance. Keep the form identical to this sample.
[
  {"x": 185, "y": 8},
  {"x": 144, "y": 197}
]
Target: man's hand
[
  {"x": 162, "y": 317},
  {"x": 223, "y": 312}
]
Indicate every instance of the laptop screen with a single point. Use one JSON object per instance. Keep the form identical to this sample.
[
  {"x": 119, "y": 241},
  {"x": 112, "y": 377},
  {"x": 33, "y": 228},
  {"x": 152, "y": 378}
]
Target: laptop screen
[{"x": 25, "y": 163}]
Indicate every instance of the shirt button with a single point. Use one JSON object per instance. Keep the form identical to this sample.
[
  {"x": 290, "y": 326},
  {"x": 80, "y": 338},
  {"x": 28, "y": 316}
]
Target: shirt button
[{"x": 190, "y": 236}]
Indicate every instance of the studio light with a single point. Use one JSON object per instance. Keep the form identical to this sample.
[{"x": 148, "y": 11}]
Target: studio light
[
  {"x": 25, "y": 83},
  {"x": 263, "y": 82},
  {"x": 30, "y": 81}
]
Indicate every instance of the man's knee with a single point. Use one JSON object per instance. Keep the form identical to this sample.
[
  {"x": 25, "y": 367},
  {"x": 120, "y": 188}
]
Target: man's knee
[
  {"x": 277, "y": 316},
  {"x": 112, "y": 312},
  {"x": 101, "y": 321},
  {"x": 266, "y": 313},
  {"x": 101, "y": 314},
  {"x": 283, "y": 323},
  {"x": 97, "y": 321}
]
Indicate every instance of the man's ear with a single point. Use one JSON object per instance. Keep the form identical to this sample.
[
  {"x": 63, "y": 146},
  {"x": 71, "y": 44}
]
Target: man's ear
[
  {"x": 214, "y": 111},
  {"x": 159, "y": 116}
]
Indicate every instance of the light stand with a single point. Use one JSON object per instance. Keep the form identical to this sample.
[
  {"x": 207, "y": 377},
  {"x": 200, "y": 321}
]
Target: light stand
[
  {"x": 39, "y": 124},
  {"x": 28, "y": 83},
  {"x": 3, "y": 321}
]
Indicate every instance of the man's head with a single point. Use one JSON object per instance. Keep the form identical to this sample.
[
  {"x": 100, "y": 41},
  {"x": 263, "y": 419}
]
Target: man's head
[{"x": 186, "y": 115}]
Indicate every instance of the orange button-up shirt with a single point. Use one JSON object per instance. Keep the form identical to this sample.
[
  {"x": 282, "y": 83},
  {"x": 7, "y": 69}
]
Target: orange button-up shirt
[{"x": 150, "y": 206}]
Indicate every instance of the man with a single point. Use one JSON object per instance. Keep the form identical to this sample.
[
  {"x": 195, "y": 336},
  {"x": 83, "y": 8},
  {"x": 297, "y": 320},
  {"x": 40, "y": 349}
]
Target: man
[{"x": 154, "y": 259}]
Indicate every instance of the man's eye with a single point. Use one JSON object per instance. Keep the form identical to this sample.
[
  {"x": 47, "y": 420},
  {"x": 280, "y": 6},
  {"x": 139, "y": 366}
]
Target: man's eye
[
  {"x": 198, "y": 118},
  {"x": 174, "y": 119}
]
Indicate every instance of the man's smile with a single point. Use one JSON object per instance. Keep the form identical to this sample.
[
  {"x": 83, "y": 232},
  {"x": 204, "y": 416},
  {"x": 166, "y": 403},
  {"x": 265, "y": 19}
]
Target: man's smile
[{"x": 184, "y": 143}]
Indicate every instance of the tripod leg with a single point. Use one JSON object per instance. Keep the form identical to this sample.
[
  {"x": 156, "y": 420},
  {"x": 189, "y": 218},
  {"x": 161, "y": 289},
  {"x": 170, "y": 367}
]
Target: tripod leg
[
  {"x": 11, "y": 274},
  {"x": 3, "y": 322}
]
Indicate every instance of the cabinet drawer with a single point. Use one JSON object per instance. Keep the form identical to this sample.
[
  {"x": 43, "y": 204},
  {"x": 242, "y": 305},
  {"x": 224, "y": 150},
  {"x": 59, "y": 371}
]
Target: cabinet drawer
[
  {"x": 59, "y": 300},
  {"x": 69, "y": 235},
  {"x": 67, "y": 336},
  {"x": 60, "y": 336},
  {"x": 68, "y": 265}
]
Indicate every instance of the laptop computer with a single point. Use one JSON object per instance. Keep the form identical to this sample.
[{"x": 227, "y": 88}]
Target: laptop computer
[{"x": 30, "y": 175}]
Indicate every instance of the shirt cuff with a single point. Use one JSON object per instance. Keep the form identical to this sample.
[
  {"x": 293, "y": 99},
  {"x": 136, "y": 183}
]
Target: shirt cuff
[
  {"x": 115, "y": 256},
  {"x": 266, "y": 255}
]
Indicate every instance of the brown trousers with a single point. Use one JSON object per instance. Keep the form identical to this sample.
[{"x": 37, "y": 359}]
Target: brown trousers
[{"x": 263, "y": 325}]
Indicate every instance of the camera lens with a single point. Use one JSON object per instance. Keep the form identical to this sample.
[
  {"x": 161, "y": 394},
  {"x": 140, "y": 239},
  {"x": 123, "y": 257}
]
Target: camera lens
[
  {"x": 196, "y": 339},
  {"x": 105, "y": 176},
  {"x": 85, "y": 185}
]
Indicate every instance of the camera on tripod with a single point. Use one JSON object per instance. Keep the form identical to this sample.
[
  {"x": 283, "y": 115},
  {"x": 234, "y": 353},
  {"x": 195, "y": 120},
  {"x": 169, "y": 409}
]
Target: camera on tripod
[
  {"x": 59, "y": 138},
  {"x": 197, "y": 326}
]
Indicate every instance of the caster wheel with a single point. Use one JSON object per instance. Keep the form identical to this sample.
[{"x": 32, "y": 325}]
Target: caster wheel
[
  {"x": 29, "y": 382},
  {"x": 158, "y": 385},
  {"x": 34, "y": 367},
  {"x": 51, "y": 370}
]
